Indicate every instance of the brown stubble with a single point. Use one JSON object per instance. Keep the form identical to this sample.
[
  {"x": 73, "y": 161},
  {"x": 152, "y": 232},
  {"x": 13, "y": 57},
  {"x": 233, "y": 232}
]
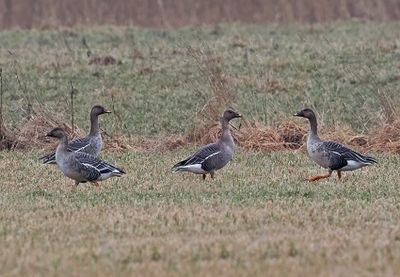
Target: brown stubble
[{"x": 254, "y": 218}]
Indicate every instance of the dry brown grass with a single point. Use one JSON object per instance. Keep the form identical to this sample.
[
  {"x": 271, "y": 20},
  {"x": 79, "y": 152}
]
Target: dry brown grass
[
  {"x": 251, "y": 135},
  {"x": 254, "y": 135},
  {"x": 31, "y": 135},
  {"x": 290, "y": 134},
  {"x": 143, "y": 144},
  {"x": 44, "y": 13},
  {"x": 386, "y": 138},
  {"x": 7, "y": 140}
]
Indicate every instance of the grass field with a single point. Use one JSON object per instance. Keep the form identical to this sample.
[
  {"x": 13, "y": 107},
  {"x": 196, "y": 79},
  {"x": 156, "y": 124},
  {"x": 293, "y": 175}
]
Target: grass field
[
  {"x": 270, "y": 72},
  {"x": 258, "y": 217}
]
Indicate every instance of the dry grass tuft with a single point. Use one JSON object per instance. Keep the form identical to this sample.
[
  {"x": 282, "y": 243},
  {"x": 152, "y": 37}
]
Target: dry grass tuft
[
  {"x": 251, "y": 135},
  {"x": 292, "y": 135},
  {"x": 256, "y": 136},
  {"x": 207, "y": 133},
  {"x": 116, "y": 143},
  {"x": 7, "y": 139},
  {"x": 33, "y": 131},
  {"x": 386, "y": 138}
]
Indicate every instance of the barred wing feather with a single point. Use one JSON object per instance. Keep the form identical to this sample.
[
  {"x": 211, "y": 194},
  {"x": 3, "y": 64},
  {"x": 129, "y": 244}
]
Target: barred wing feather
[
  {"x": 76, "y": 145},
  {"x": 200, "y": 155},
  {"x": 102, "y": 167},
  {"x": 79, "y": 144},
  {"x": 348, "y": 154}
]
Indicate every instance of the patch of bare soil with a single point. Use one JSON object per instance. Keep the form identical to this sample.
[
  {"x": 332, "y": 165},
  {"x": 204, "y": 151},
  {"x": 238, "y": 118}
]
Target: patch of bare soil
[{"x": 103, "y": 60}]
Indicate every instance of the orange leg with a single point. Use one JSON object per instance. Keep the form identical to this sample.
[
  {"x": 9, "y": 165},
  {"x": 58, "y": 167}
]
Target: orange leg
[
  {"x": 318, "y": 177},
  {"x": 339, "y": 174},
  {"x": 97, "y": 184},
  {"x": 212, "y": 175}
]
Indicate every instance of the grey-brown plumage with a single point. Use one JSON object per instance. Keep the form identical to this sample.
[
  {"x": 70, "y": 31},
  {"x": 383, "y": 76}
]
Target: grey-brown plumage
[
  {"x": 329, "y": 154},
  {"x": 80, "y": 166},
  {"x": 214, "y": 156},
  {"x": 91, "y": 144}
]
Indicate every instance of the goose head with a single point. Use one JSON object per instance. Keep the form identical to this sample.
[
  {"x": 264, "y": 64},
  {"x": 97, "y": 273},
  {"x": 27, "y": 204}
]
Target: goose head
[
  {"x": 231, "y": 114},
  {"x": 58, "y": 133},
  {"x": 306, "y": 113},
  {"x": 98, "y": 110}
]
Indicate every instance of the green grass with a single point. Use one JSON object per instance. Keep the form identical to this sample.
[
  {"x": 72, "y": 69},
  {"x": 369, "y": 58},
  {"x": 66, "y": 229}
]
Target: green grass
[
  {"x": 272, "y": 71},
  {"x": 257, "y": 217}
]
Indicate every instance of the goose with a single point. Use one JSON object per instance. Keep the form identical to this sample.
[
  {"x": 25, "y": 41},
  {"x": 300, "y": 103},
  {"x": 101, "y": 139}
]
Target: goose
[
  {"x": 91, "y": 144},
  {"x": 80, "y": 166},
  {"x": 212, "y": 157},
  {"x": 329, "y": 154}
]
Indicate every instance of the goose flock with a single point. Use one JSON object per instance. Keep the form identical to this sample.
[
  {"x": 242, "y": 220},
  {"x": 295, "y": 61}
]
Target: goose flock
[{"x": 78, "y": 158}]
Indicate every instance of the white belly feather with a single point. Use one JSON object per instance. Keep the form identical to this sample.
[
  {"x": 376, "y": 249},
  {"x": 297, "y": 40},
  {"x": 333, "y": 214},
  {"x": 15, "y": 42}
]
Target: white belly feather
[
  {"x": 194, "y": 168},
  {"x": 352, "y": 165}
]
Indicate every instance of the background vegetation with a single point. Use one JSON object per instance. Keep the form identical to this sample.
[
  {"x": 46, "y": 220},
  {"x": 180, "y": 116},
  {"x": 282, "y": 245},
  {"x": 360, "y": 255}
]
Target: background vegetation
[
  {"x": 159, "y": 79},
  {"x": 173, "y": 13}
]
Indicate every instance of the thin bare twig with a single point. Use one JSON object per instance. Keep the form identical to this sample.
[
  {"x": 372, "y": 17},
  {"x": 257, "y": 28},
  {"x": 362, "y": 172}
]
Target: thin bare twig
[
  {"x": 118, "y": 115},
  {"x": 89, "y": 52},
  {"x": 2, "y": 131},
  {"x": 72, "y": 94},
  {"x": 24, "y": 89}
]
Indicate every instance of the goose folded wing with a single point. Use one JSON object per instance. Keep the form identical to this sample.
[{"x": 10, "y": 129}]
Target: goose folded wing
[
  {"x": 213, "y": 161},
  {"x": 346, "y": 153},
  {"x": 202, "y": 154},
  {"x": 75, "y": 145},
  {"x": 79, "y": 144},
  {"x": 87, "y": 169},
  {"x": 49, "y": 158},
  {"x": 101, "y": 166}
]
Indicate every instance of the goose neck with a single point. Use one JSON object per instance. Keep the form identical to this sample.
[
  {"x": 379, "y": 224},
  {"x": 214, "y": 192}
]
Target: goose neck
[
  {"x": 313, "y": 128},
  {"x": 94, "y": 125},
  {"x": 226, "y": 136}
]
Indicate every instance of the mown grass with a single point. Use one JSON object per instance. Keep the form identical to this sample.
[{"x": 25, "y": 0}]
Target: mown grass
[
  {"x": 158, "y": 88},
  {"x": 257, "y": 217}
]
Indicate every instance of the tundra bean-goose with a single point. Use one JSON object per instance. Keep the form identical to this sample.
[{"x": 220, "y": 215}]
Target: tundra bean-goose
[
  {"x": 90, "y": 144},
  {"x": 81, "y": 166},
  {"x": 214, "y": 156},
  {"x": 329, "y": 154}
]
